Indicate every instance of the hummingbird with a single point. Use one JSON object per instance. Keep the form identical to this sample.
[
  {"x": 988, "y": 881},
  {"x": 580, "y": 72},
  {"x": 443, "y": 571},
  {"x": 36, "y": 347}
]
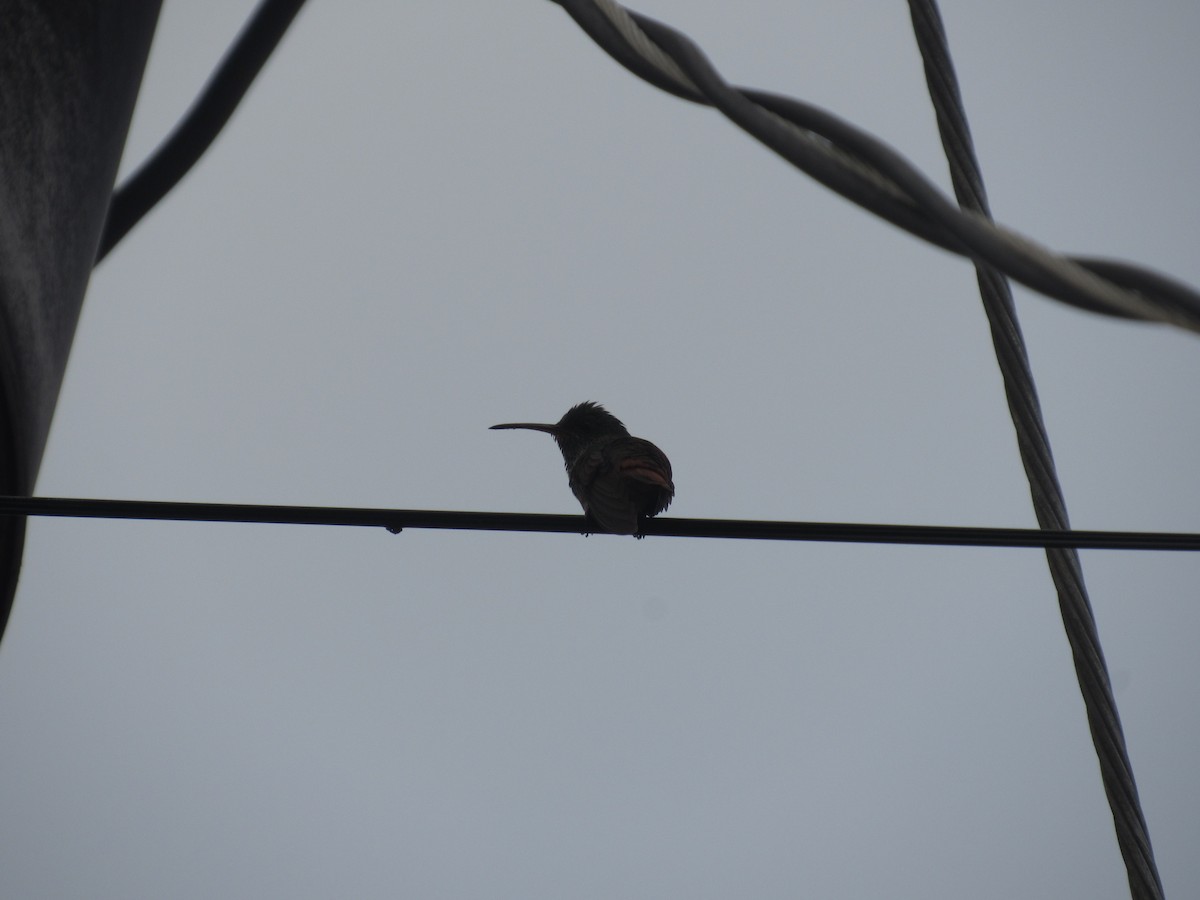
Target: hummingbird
[{"x": 617, "y": 479}]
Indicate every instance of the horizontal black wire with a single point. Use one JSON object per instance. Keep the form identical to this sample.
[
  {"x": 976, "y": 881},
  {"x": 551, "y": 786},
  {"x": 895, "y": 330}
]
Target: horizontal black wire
[{"x": 396, "y": 520}]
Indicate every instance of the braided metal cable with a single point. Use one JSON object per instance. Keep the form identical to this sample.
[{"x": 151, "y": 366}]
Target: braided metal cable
[
  {"x": 869, "y": 172},
  {"x": 1048, "y": 500}
]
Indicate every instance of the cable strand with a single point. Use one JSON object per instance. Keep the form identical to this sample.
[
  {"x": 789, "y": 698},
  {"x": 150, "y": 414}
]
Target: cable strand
[
  {"x": 196, "y": 131},
  {"x": 1034, "y": 446},
  {"x": 870, "y": 173},
  {"x": 741, "y": 529}
]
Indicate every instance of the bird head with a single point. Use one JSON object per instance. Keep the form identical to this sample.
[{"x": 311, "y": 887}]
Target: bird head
[{"x": 579, "y": 427}]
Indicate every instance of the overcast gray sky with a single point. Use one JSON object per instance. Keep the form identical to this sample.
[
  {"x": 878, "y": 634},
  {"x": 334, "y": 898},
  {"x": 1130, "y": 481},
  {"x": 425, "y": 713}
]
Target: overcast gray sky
[{"x": 428, "y": 218}]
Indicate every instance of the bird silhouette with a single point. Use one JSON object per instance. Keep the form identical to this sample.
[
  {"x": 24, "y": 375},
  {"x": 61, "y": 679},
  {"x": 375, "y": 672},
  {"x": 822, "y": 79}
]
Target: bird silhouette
[{"x": 618, "y": 479}]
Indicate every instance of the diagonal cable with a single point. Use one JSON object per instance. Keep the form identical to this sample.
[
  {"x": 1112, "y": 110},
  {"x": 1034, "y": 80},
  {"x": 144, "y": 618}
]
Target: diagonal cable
[
  {"x": 203, "y": 122},
  {"x": 1048, "y": 501}
]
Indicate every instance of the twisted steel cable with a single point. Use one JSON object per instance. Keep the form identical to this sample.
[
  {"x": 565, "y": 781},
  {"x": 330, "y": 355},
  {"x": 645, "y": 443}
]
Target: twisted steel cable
[
  {"x": 864, "y": 169},
  {"x": 1048, "y": 501}
]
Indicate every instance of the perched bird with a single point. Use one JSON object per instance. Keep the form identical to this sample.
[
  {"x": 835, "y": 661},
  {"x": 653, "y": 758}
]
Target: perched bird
[{"x": 617, "y": 479}]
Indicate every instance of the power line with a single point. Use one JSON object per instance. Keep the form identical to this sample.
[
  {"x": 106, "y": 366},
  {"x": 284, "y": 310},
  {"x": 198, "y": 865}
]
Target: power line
[
  {"x": 185, "y": 145},
  {"x": 1033, "y": 442},
  {"x": 397, "y": 520},
  {"x": 872, "y": 174}
]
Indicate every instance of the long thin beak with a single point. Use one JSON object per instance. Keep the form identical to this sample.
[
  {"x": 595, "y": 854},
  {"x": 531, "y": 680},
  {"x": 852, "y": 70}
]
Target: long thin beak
[{"x": 530, "y": 426}]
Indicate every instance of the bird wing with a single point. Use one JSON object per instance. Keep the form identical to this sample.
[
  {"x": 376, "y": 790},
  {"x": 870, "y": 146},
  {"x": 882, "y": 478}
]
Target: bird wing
[
  {"x": 650, "y": 471},
  {"x": 621, "y": 480},
  {"x": 598, "y": 486}
]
